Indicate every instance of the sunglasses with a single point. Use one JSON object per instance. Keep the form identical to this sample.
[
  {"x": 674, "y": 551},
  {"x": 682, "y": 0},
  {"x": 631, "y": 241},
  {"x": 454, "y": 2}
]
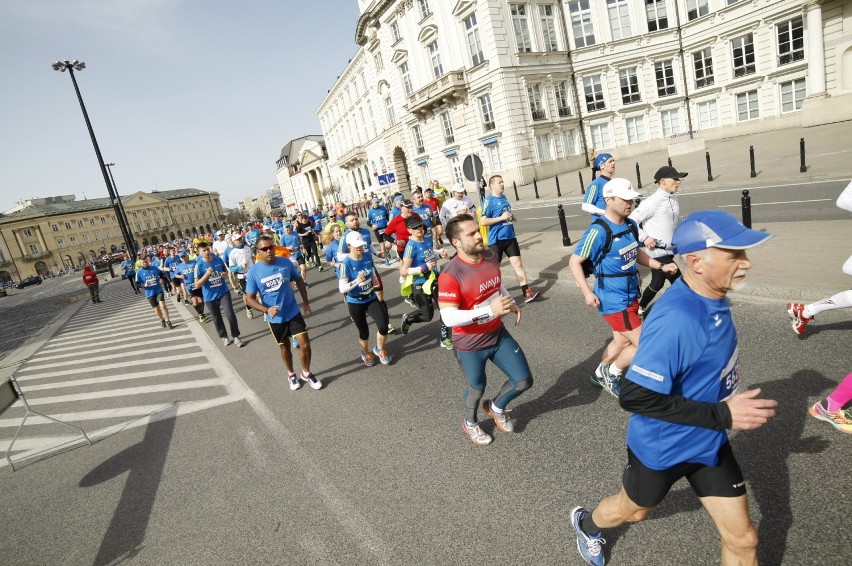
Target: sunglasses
[
  {"x": 418, "y": 227},
  {"x": 265, "y": 248}
]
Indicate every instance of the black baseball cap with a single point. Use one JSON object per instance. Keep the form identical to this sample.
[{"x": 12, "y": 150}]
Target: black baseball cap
[
  {"x": 414, "y": 222},
  {"x": 667, "y": 172},
  {"x": 406, "y": 203}
]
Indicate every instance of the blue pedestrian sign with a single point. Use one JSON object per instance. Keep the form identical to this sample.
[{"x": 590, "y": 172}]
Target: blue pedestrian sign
[{"x": 387, "y": 179}]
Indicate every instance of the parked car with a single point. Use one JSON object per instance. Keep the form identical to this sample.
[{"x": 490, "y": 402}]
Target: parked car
[{"x": 31, "y": 280}]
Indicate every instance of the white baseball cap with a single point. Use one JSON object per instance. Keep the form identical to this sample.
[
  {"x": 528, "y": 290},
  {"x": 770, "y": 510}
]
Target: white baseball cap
[
  {"x": 355, "y": 240},
  {"x": 458, "y": 188},
  {"x": 621, "y": 188}
]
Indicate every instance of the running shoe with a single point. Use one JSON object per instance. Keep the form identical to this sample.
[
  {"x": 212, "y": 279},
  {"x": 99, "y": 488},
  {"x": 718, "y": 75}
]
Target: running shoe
[
  {"x": 410, "y": 302},
  {"x": 838, "y": 419},
  {"x": 590, "y": 546},
  {"x": 391, "y": 328},
  {"x": 530, "y": 295},
  {"x": 447, "y": 343},
  {"x": 405, "y": 325},
  {"x": 162, "y": 323},
  {"x": 641, "y": 314},
  {"x": 368, "y": 358},
  {"x": 387, "y": 262},
  {"x": 604, "y": 379},
  {"x": 320, "y": 268},
  {"x": 475, "y": 433},
  {"x": 295, "y": 343},
  {"x": 383, "y": 356},
  {"x": 311, "y": 380},
  {"x": 169, "y": 324},
  {"x": 237, "y": 342},
  {"x": 797, "y": 319},
  {"x": 501, "y": 420},
  {"x": 294, "y": 382},
  {"x": 249, "y": 313},
  {"x": 202, "y": 318},
  {"x": 226, "y": 342}
]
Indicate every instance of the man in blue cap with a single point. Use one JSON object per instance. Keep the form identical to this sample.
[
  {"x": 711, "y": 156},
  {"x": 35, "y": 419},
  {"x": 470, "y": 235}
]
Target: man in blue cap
[
  {"x": 682, "y": 391},
  {"x": 594, "y": 202}
]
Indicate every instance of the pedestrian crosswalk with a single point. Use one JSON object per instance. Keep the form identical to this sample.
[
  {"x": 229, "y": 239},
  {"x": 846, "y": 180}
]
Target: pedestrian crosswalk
[{"x": 112, "y": 366}]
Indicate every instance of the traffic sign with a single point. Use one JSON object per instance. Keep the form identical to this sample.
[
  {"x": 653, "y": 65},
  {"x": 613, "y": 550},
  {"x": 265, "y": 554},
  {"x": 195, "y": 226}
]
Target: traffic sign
[
  {"x": 387, "y": 179},
  {"x": 472, "y": 167}
]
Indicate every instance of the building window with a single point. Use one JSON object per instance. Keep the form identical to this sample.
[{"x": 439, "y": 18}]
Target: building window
[
  {"x": 494, "y": 157},
  {"x": 80, "y": 222},
  {"x": 593, "y": 91},
  {"x": 569, "y": 142},
  {"x": 108, "y": 233},
  {"x": 619, "y": 18},
  {"x": 97, "y": 236},
  {"x": 548, "y": 27},
  {"x": 581, "y": 23},
  {"x": 671, "y": 122},
  {"x": 747, "y": 108},
  {"x": 536, "y": 103},
  {"x": 33, "y": 250},
  {"x": 424, "y": 8},
  {"x": 447, "y": 123},
  {"x": 389, "y": 114},
  {"x": 560, "y": 92},
  {"x": 148, "y": 224},
  {"x": 600, "y": 136},
  {"x": 67, "y": 225},
  {"x": 543, "y": 149},
  {"x": 103, "y": 219},
  {"x": 743, "y": 53},
  {"x": 696, "y": 8},
  {"x": 418, "y": 139},
  {"x": 635, "y": 129},
  {"x": 487, "y": 113},
  {"x": 91, "y": 221},
  {"x": 520, "y": 25},
  {"x": 54, "y": 227},
  {"x": 708, "y": 116},
  {"x": 395, "y": 32},
  {"x": 664, "y": 72},
  {"x": 85, "y": 238},
  {"x": 59, "y": 242},
  {"x": 703, "y": 64},
  {"x": 380, "y": 64},
  {"x": 655, "y": 10},
  {"x": 474, "y": 45},
  {"x": 792, "y": 95},
  {"x": 791, "y": 42},
  {"x": 73, "y": 240},
  {"x": 28, "y": 233},
  {"x": 629, "y": 81},
  {"x": 406, "y": 78},
  {"x": 456, "y": 168},
  {"x": 425, "y": 176},
  {"x": 435, "y": 58}
]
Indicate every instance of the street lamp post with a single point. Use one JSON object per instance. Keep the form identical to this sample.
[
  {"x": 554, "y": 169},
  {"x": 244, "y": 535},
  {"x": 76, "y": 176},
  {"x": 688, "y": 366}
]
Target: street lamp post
[
  {"x": 76, "y": 65},
  {"x": 123, "y": 224}
]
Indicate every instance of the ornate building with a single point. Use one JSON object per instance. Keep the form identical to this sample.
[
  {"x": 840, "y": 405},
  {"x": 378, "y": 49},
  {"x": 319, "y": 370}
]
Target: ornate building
[
  {"x": 303, "y": 175},
  {"x": 42, "y": 235},
  {"x": 534, "y": 87}
]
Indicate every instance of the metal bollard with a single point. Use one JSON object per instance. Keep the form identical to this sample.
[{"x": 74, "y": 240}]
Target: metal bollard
[
  {"x": 746, "y": 209},
  {"x": 535, "y": 186},
  {"x": 709, "y": 170},
  {"x": 566, "y": 239},
  {"x": 558, "y": 190},
  {"x": 582, "y": 184},
  {"x": 515, "y": 186},
  {"x": 638, "y": 176},
  {"x": 802, "y": 167},
  {"x": 751, "y": 159},
  {"x": 670, "y": 162},
  {"x": 594, "y": 173}
]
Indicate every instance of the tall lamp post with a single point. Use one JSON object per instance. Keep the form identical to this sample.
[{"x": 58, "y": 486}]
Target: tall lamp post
[
  {"x": 123, "y": 224},
  {"x": 76, "y": 65}
]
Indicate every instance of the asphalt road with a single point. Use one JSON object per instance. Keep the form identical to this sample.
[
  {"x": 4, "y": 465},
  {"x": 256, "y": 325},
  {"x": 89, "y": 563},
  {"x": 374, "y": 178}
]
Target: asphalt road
[
  {"x": 778, "y": 203},
  {"x": 374, "y": 468}
]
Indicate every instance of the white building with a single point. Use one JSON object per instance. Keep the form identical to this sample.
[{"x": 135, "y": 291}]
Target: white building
[
  {"x": 533, "y": 87},
  {"x": 304, "y": 178}
]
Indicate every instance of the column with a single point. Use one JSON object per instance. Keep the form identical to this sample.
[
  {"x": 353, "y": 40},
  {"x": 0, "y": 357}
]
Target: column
[{"x": 815, "y": 50}]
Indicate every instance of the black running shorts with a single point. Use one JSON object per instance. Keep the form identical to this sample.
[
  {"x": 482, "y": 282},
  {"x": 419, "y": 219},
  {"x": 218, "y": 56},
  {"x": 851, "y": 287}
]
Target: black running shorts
[
  {"x": 509, "y": 247},
  {"x": 293, "y": 327},
  {"x": 647, "y": 487}
]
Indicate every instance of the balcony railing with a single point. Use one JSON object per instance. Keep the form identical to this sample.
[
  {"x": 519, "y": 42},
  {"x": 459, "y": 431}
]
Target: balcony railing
[
  {"x": 564, "y": 112},
  {"x": 448, "y": 89},
  {"x": 538, "y": 115},
  {"x": 449, "y": 139},
  {"x": 353, "y": 157},
  {"x": 37, "y": 256},
  {"x": 488, "y": 126}
]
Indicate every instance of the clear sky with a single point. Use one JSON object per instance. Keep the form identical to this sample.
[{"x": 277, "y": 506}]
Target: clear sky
[{"x": 181, "y": 93}]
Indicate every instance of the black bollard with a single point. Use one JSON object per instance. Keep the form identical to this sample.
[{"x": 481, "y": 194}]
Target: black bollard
[
  {"x": 638, "y": 176},
  {"x": 558, "y": 190},
  {"x": 802, "y": 167},
  {"x": 566, "y": 239},
  {"x": 594, "y": 173},
  {"x": 709, "y": 171},
  {"x": 515, "y": 186},
  {"x": 746, "y": 209},
  {"x": 751, "y": 159},
  {"x": 670, "y": 162},
  {"x": 535, "y": 186},
  {"x": 582, "y": 184}
]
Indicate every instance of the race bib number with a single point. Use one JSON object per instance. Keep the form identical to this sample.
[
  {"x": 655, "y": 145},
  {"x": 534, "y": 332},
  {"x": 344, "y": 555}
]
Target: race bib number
[
  {"x": 628, "y": 255},
  {"x": 151, "y": 281},
  {"x": 216, "y": 280},
  {"x": 730, "y": 378},
  {"x": 272, "y": 283}
]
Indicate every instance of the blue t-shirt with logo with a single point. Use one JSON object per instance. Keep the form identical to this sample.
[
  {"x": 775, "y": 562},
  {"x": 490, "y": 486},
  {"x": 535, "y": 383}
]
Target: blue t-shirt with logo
[
  {"x": 425, "y": 211},
  {"x": 170, "y": 263},
  {"x": 272, "y": 285},
  {"x": 615, "y": 293},
  {"x": 594, "y": 193},
  {"x": 187, "y": 272},
  {"x": 688, "y": 349},
  {"x": 378, "y": 217},
  {"x": 331, "y": 254},
  {"x": 349, "y": 269},
  {"x": 216, "y": 285},
  {"x": 149, "y": 279},
  {"x": 293, "y": 242},
  {"x": 494, "y": 207},
  {"x": 420, "y": 253},
  {"x": 129, "y": 268}
]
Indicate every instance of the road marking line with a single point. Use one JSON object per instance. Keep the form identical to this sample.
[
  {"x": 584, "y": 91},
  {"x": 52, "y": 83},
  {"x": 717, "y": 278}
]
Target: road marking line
[
  {"x": 133, "y": 363},
  {"x": 124, "y": 392},
  {"x": 90, "y": 351},
  {"x": 118, "y": 377}
]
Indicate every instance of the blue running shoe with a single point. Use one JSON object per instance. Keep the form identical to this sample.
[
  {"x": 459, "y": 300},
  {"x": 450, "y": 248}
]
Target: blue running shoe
[
  {"x": 383, "y": 356},
  {"x": 590, "y": 547},
  {"x": 603, "y": 378}
]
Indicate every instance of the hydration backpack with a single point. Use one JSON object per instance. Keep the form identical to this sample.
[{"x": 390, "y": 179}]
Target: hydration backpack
[{"x": 591, "y": 265}]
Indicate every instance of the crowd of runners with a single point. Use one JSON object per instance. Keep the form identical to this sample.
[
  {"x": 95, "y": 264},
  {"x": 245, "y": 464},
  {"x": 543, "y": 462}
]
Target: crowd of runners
[{"x": 679, "y": 384}]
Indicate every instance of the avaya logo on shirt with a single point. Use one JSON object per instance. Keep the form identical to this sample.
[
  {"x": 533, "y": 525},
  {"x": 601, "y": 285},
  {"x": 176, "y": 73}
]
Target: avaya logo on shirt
[
  {"x": 491, "y": 283},
  {"x": 447, "y": 295}
]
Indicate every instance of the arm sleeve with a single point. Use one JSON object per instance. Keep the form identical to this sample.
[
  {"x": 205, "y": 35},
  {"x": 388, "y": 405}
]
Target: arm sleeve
[
  {"x": 452, "y": 316},
  {"x": 344, "y": 285},
  {"x": 673, "y": 408},
  {"x": 591, "y": 209}
]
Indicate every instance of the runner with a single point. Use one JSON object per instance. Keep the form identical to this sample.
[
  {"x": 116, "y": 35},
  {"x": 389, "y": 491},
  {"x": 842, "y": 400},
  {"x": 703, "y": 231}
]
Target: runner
[
  {"x": 210, "y": 277},
  {"x": 458, "y": 204},
  {"x": 148, "y": 278},
  {"x": 473, "y": 301},
  {"x": 268, "y": 290},
  {"x": 594, "y": 202},
  {"x": 437, "y": 230},
  {"x": 186, "y": 272},
  {"x": 240, "y": 261}
]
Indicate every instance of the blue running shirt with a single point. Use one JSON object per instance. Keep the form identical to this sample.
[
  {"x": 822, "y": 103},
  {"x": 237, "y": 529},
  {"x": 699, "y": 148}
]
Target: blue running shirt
[
  {"x": 149, "y": 279},
  {"x": 594, "y": 193},
  {"x": 216, "y": 286},
  {"x": 688, "y": 348},
  {"x": 349, "y": 269},
  {"x": 187, "y": 271},
  {"x": 293, "y": 242},
  {"x": 272, "y": 284},
  {"x": 494, "y": 207},
  {"x": 615, "y": 293},
  {"x": 420, "y": 253}
]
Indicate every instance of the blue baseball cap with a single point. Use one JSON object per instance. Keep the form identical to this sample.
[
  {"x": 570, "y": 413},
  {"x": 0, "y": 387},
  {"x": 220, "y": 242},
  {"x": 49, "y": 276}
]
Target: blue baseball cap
[
  {"x": 376, "y": 199},
  {"x": 714, "y": 229},
  {"x": 183, "y": 254},
  {"x": 601, "y": 159},
  {"x": 397, "y": 198}
]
